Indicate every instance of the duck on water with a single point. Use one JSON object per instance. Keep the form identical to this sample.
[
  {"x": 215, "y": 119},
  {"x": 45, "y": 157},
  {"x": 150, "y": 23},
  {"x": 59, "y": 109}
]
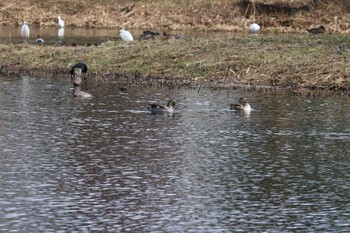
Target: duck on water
[
  {"x": 161, "y": 109},
  {"x": 77, "y": 75},
  {"x": 80, "y": 65},
  {"x": 242, "y": 105}
]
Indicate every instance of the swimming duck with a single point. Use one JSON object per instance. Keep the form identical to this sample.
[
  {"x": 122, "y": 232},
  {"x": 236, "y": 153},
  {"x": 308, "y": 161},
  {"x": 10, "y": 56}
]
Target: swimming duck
[
  {"x": 77, "y": 80},
  {"x": 317, "y": 30},
  {"x": 78, "y": 93},
  {"x": 148, "y": 35},
  {"x": 243, "y": 105},
  {"x": 160, "y": 109}
]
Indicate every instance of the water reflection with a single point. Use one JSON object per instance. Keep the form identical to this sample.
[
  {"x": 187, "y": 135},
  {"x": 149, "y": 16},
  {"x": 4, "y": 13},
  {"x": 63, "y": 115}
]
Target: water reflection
[
  {"x": 82, "y": 36},
  {"x": 106, "y": 164},
  {"x": 51, "y": 35}
]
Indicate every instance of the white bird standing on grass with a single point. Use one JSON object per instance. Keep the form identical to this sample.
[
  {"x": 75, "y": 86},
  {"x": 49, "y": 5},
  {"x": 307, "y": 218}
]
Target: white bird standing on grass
[
  {"x": 60, "y": 33},
  {"x": 126, "y": 35},
  {"x": 60, "y": 22},
  {"x": 254, "y": 28},
  {"x": 25, "y": 32}
]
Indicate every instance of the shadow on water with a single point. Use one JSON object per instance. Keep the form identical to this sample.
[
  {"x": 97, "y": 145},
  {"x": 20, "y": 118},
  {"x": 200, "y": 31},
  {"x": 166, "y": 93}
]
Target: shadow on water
[{"x": 107, "y": 164}]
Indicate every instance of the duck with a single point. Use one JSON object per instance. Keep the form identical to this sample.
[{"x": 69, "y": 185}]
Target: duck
[
  {"x": 77, "y": 80},
  {"x": 243, "y": 105},
  {"x": 125, "y": 35},
  {"x": 340, "y": 48},
  {"x": 60, "y": 43},
  {"x": 317, "y": 30},
  {"x": 161, "y": 109},
  {"x": 148, "y": 35},
  {"x": 77, "y": 76},
  {"x": 82, "y": 66},
  {"x": 39, "y": 40},
  {"x": 123, "y": 89},
  {"x": 78, "y": 93},
  {"x": 174, "y": 37},
  {"x": 254, "y": 28}
]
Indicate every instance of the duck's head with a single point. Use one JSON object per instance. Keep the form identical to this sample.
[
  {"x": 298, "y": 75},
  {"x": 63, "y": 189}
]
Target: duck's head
[
  {"x": 77, "y": 71},
  {"x": 171, "y": 103},
  {"x": 243, "y": 101},
  {"x": 77, "y": 76}
]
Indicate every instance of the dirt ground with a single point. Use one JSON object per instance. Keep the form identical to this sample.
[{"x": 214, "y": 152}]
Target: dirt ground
[{"x": 226, "y": 15}]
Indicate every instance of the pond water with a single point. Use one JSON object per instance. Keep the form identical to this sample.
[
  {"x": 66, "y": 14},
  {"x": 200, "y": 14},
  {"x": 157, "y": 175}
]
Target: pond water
[
  {"x": 82, "y": 36},
  {"x": 107, "y": 165}
]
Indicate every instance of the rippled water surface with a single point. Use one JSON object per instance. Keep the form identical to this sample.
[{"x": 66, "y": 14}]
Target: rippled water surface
[{"x": 107, "y": 165}]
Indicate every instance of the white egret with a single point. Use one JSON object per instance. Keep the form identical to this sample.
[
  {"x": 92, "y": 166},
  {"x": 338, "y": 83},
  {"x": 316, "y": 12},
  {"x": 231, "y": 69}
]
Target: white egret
[
  {"x": 25, "y": 32},
  {"x": 60, "y": 22},
  {"x": 254, "y": 28},
  {"x": 126, "y": 35},
  {"x": 60, "y": 33}
]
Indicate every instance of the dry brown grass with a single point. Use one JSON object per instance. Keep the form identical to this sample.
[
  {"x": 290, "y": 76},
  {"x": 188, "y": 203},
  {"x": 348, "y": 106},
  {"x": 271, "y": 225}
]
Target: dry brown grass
[
  {"x": 297, "y": 62},
  {"x": 228, "y": 15},
  {"x": 294, "y": 62}
]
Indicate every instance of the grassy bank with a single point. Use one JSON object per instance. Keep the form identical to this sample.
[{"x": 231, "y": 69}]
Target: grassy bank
[{"x": 294, "y": 62}]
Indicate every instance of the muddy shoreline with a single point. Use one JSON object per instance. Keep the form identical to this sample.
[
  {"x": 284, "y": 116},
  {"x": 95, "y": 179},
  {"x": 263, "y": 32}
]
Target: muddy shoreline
[
  {"x": 136, "y": 79},
  {"x": 127, "y": 80}
]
